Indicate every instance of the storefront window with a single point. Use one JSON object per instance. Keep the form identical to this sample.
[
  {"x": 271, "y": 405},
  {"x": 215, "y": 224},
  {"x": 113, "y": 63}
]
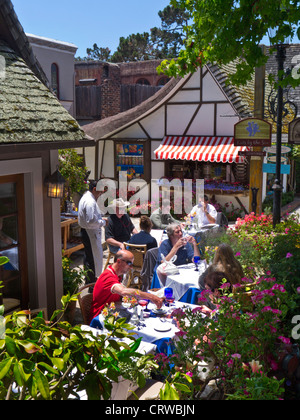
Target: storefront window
[{"x": 130, "y": 159}]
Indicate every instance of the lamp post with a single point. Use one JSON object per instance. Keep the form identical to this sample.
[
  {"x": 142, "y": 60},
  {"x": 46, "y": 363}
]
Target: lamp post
[{"x": 277, "y": 188}]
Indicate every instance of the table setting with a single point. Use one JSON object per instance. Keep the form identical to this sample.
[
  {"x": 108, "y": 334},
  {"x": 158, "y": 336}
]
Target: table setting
[{"x": 185, "y": 282}]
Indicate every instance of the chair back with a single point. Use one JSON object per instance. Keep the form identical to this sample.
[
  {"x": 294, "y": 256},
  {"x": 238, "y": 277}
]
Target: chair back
[
  {"x": 85, "y": 302},
  {"x": 139, "y": 252},
  {"x": 244, "y": 293}
]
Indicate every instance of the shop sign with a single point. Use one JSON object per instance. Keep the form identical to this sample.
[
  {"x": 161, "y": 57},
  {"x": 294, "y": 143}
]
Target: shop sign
[
  {"x": 252, "y": 132},
  {"x": 270, "y": 168},
  {"x": 273, "y": 159},
  {"x": 294, "y": 131},
  {"x": 251, "y": 153},
  {"x": 272, "y": 149}
]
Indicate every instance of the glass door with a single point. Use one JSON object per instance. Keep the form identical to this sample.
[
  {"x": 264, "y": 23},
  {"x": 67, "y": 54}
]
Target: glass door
[{"x": 13, "y": 275}]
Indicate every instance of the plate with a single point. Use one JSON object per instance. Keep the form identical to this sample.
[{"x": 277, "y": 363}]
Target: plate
[
  {"x": 163, "y": 327},
  {"x": 159, "y": 311}
]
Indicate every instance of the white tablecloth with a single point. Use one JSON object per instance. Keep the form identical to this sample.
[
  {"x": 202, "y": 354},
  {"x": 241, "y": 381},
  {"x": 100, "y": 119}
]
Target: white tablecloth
[{"x": 187, "y": 277}]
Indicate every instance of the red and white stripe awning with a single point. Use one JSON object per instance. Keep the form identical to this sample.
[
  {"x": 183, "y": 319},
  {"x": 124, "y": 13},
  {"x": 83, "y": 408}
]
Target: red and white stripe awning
[{"x": 202, "y": 149}]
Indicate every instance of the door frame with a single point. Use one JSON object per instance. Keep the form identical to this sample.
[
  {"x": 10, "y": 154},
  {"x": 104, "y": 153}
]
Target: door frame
[{"x": 18, "y": 179}]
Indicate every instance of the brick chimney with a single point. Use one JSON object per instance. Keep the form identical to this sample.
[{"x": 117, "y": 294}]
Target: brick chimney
[{"x": 110, "y": 90}]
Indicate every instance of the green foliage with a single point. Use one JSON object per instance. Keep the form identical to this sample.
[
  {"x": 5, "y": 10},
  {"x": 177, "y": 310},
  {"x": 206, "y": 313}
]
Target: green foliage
[
  {"x": 162, "y": 42},
  {"x": 136, "y": 47},
  {"x": 72, "y": 168},
  {"x": 235, "y": 346},
  {"x": 287, "y": 197},
  {"x": 73, "y": 278},
  {"x": 222, "y": 31},
  {"x": 42, "y": 360}
]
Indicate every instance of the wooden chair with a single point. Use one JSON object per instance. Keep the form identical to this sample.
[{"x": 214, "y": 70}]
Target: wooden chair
[
  {"x": 85, "y": 302},
  {"x": 111, "y": 255},
  {"x": 139, "y": 252},
  {"x": 244, "y": 293}
]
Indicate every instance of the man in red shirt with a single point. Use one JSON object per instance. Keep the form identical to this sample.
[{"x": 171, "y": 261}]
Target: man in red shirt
[{"x": 109, "y": 288}]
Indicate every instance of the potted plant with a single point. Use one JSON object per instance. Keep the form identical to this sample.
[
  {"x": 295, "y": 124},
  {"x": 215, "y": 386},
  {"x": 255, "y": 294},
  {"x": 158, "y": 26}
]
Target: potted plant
[{"x": 73, "y": 278}]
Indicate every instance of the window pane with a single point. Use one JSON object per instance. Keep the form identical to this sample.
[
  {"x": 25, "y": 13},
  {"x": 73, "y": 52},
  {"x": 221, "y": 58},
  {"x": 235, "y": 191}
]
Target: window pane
[
  {"x": 8, "y": 202},
  {"x": 130, "y": 158},
  {"x": 8, "y": 231}
]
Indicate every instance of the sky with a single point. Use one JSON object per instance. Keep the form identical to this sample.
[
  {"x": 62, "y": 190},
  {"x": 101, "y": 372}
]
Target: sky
[{"x": 85, "y": 22}]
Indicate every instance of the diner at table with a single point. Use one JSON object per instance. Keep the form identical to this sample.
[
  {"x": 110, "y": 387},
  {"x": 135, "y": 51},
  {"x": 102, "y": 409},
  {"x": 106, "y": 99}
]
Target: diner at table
[
  {"x": 119, "y": 227},
  {"x": 109, "y": 287}
]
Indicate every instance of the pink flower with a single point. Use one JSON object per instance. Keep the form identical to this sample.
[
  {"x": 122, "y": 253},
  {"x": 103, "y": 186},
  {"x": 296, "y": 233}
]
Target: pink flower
[
  {"x": 190, "y": 374},
  {"x": 285, "y": 340},
  {"x": 255, "y": 366},
  {"x": 237, "y": 254},
  {"x": 288, "y": 255},
  {"x": 236, "y": 356}
]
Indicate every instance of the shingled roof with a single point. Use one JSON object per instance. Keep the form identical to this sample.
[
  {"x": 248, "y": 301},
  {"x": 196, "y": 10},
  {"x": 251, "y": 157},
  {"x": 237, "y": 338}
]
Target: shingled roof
[{"x": 29, "y": 112}]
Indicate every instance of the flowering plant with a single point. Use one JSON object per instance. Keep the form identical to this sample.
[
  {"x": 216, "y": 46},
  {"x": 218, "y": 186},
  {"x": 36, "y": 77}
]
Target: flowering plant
[
  {"x": 209, "y": 253},
  {"x": 110, "y": 310},
  {"x": 235, "y": 347},
  {"x": 129, "y": 301}
]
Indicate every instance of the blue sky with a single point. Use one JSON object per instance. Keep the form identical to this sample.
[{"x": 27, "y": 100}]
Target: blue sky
[{"x": 85, "y": 22}]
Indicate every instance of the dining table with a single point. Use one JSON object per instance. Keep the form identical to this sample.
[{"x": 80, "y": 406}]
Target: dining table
[{"x": 185, "y": 283}]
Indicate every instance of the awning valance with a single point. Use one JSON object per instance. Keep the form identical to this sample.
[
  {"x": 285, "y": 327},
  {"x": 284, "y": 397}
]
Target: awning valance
[{"x": 202, "y": 149}]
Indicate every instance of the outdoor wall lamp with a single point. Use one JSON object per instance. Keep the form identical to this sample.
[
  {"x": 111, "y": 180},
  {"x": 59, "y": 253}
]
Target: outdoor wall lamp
[{"x": 55, "y": 185}]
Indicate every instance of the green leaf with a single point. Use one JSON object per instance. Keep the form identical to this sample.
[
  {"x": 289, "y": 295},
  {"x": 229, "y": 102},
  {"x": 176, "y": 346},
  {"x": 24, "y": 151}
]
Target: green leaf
[
  {"x": 42, "y": 384},
  {"x": 29, "y": 347},
  {"x": 168, "y": 393},
  {"x": 10, "y": 346},
  {"x": 5, "y": 367},
  {"x": 141, "y": 380},
  {"x": 58, "y": 362},
  {"x": 182, "y": 387},
  {"x": 48, "y": 368},
  {"x": 19, "y": 375},
  {"x": 3, "y": 260}
]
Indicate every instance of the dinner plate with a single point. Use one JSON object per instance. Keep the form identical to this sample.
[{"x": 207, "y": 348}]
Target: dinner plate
[
  {"x": 163, "y": 327},
  {"x": 159, "y": 311}
]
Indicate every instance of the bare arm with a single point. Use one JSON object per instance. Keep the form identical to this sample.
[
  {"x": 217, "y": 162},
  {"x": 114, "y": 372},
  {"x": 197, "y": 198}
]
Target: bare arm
[{"x": 125, "y": 291}]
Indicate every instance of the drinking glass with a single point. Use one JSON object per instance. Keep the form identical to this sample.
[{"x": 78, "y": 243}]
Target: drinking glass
[
  {"x": 169, "y": 295},
  {"x": 184, "y": 237},
  {"x": 196, "y": 261},
  {"x": 143, "y": 303}
]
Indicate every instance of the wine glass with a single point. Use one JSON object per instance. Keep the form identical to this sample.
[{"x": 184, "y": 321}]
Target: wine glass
[
  {"x": 143, "y": 303},
  {"x": 185, "y": 238},
  {"x": 169, "y": 295},
  {"x": 196, "y": 261}
]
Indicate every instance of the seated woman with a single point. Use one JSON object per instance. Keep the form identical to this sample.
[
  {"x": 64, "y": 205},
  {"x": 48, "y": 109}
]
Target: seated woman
[
  {"x": 144, "y": 237},
  {"x": 224, "y": 261},
  {"x": 177, "y": 245},
  {"x": 212, "y": 282}
]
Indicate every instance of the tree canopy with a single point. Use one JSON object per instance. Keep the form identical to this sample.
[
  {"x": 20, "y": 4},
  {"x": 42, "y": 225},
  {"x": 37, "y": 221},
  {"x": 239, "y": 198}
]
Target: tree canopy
[
  {"x": 221, "y": 31},
  {"x": 163, "y": 42}
]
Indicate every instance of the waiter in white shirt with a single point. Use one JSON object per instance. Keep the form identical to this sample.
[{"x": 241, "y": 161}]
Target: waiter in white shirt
[{"x": 91, "y": 221}]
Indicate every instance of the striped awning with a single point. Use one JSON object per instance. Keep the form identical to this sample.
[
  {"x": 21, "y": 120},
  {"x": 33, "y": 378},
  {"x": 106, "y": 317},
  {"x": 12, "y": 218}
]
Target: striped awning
[{"x": 202, "y": 149}]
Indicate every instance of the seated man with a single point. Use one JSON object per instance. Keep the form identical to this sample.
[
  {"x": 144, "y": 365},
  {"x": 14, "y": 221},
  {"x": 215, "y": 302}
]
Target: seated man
[
  {"x": 161, "y": 218},
  {"x": 109, "y": 288},
  {"x": 119, "y": 227},
  {"x": 184, "y": 248},
  {"x": 206, "y": 213}
]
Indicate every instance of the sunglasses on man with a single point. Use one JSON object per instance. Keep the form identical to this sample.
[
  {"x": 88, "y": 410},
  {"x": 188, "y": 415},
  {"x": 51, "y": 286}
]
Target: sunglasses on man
[{"x": 130, "y": 263}]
